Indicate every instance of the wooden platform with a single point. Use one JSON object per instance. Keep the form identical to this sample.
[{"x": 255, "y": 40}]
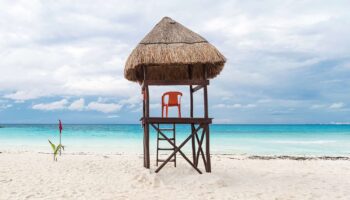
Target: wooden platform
[{"x": 172, "y": 120}]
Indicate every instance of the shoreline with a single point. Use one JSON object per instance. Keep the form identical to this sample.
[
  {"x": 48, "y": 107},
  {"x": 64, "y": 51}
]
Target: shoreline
[{"x": 228, "y": 155}]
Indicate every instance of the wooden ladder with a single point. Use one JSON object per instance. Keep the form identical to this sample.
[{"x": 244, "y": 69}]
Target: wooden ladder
[{"x": 173, "y": 139}]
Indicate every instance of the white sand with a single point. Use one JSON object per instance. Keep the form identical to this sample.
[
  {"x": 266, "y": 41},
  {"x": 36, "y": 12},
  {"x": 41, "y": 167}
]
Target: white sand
[{"x": 36, "y": 176}]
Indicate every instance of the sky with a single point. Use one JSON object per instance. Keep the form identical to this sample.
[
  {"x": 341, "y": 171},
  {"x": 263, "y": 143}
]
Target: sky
[{"x": 287, "y": 61}]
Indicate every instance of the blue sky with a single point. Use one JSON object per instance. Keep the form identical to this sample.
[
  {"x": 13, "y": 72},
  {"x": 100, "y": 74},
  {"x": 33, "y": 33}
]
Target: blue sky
[{"x": 288, "y": 61}]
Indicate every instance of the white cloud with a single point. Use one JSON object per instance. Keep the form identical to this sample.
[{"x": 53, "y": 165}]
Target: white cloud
[
  {"x": 84, "y": 56},
  {"x": 250, "y": 105},
  {"x": 82, "y": 50},
  {"x": 334, "y": 106},
  {"x": 5, "y": 106},
  {"x": 24, "y": 95},
  {"x": 317, "y": 106},
  {"x": 77, "y": 105},
  {"x": 337, "y": 105},
  {"x": 112, "y": 116},
  {"x": 132, "y": 101},
  {"x": 236, "y": 105},
  {"x": 273, "y": 50},
  {"x": 104, "y": 107},
  {"x": 57, "y": 105}
]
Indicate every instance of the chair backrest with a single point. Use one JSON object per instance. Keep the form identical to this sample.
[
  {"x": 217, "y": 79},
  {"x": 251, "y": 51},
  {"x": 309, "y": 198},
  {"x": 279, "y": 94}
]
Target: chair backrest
[{"x": 172, "y": 98}]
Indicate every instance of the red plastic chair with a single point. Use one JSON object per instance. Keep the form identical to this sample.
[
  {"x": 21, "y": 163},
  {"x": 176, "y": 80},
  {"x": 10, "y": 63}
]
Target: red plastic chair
[{"x": 174, "y": 99}]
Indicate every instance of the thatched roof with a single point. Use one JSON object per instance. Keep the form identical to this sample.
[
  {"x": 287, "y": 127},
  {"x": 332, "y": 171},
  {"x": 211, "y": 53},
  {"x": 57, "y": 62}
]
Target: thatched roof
[{"x": 168, "y": 50}]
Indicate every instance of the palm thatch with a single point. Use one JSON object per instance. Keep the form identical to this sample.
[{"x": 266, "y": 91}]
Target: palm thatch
[{"x": 168, "y": 50}]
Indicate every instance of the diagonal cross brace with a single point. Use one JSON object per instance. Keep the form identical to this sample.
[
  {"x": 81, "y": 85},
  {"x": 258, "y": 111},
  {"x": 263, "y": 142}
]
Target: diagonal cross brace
[
  {"x": 200, "y": 150},
  {"x": 177, "y": 149}
]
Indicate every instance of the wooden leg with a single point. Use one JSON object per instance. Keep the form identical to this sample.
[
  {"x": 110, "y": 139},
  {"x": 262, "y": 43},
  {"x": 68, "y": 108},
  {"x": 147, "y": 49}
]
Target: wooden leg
[
  {"x": 157, "y": 147},
  {"x": 144, "y": 147},
  {"x": 200, "y": 150},
  {"x": 147, "y": 161},
  {"x": 174, "y": 136},
  {"x": 207, "y": 148},
  {"x": 193, "y": 147},
  {"x": 144, "y": 130}
]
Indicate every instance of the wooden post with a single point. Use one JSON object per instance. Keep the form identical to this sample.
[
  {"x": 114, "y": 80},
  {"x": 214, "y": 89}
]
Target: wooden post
[
  {"x": 146, "y": 126},
  {"x": 174, "y": 136},
  {"x": 191, "y": 115},
  {"x": 143, "y": 102},
  {"x": 207, "y": 136},
  {"x": 147, "y": 158},
  {"x": 143, "y": 124},
  {"x": 200, "y": 150},
  {"x": 207, "y": 149},
  {"x": 205, "y": 93}
]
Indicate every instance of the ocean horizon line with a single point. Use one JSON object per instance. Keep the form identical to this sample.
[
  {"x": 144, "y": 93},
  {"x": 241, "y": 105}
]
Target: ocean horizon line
[{"x": 240, "y": 124}]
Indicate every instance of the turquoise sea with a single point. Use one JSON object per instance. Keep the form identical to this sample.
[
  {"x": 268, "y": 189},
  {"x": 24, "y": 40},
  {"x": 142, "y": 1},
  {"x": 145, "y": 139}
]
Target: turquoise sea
[{"x": 330, "y": 140}]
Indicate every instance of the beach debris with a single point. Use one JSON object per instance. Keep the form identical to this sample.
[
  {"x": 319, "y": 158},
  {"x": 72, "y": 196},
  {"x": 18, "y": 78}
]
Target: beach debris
[
  {"x": 6, "y": 181},
  {"x": 299, "y": 157},
  {"x": 55, "y": 149}
]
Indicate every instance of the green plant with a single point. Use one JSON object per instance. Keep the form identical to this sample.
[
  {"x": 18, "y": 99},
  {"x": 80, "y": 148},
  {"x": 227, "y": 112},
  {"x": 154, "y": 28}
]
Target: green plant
[{"x": 55, "y": 149}]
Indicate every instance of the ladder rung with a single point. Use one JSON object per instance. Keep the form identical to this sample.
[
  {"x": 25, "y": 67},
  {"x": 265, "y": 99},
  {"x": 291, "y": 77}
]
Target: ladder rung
[
  {"x": 166, "y": 149},
  {"x": 163, "y": 160},
  {"x": 165, "y": 139}
]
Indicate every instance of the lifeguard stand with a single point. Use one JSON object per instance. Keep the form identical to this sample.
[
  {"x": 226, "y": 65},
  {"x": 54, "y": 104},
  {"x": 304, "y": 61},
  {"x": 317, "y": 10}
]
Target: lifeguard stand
[{"x": 173, "y": 55}]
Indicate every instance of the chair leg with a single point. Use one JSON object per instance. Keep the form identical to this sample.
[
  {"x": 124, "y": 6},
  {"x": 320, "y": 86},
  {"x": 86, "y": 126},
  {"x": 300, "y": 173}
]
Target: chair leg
[
  {"x": 166, "y": 109},
  {"x": 162, "y": 111},
  {"x": 179, "y": 109}
]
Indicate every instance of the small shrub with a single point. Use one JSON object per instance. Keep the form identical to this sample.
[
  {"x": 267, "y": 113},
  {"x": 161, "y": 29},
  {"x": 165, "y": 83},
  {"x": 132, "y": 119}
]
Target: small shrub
[{"x": 56, "y": 149}]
